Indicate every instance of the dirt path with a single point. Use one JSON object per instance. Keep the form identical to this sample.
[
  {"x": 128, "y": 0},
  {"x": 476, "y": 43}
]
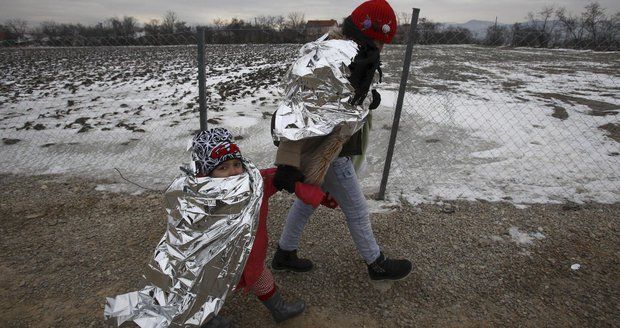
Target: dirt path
[{"x": 65, "y": 246}]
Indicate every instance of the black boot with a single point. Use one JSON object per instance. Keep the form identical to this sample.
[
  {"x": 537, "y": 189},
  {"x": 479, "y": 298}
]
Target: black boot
[
  {"x": 280, "y": 310},
  {"x": 218, "y": 322},
  {"x": 387, "y": 269},
  {"x": 288, "y": 260}
]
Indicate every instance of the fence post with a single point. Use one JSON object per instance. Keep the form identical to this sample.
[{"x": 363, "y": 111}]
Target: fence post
[
  {"x": 399, "y": 101},
  {"x": 202, "y": 103}
]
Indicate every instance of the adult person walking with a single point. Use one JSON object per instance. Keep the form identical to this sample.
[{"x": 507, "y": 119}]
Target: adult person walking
[{"x": 323, "y": 122}]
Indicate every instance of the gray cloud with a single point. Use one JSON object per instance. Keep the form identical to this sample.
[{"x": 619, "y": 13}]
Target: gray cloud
[{"x": 195, "y": 11}]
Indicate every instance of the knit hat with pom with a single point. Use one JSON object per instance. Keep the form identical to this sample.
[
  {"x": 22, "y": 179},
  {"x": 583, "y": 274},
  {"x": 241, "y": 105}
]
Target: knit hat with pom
[
  {"x": 212, "y": 148},
  {"x": 376, "y": 20}
]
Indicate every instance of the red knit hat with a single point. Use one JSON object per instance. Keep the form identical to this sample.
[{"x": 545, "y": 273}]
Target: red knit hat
[{"x": 376, "y": 19}]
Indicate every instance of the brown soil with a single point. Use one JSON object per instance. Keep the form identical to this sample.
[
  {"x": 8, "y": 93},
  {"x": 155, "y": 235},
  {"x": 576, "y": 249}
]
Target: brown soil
[
  {"x": 598, "y": 108},
  {"x": 613, "y": 130},
  {"x": 66, "y": 246}
]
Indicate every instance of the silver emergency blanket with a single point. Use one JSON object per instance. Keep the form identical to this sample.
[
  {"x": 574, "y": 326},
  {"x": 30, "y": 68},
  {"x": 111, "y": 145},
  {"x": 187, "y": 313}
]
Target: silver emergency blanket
[
  {"x": 317, "y": 92},
  {"x": 211, "y": 227}
]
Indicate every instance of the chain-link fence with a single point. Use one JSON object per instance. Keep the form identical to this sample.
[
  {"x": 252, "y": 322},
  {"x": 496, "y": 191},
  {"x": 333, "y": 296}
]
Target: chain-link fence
[
  {"x": 255, "y": 35},
  {"x": 83, "y": 109},
  {"x": 522, "y": 124},
  {"x": 508, "y": 123}
]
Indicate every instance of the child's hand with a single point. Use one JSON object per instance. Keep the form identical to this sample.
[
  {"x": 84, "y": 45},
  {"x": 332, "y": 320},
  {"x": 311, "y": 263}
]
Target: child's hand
[{"x": 309, "y": 194}]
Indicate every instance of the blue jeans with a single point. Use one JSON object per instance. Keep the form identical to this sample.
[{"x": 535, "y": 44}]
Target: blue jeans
[{"x": 341, "y": 183}]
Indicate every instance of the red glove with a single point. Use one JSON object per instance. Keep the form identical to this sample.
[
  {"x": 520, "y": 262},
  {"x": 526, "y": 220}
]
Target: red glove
[
  {"x": 309, "y": 194},
  {"x": 329, "y": 201}
]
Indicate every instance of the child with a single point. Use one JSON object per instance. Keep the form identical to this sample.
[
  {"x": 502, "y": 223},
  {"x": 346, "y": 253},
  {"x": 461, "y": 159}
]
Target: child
[
  {"x": 213, "y": 243},
  {"x": 215, "y": 155}
]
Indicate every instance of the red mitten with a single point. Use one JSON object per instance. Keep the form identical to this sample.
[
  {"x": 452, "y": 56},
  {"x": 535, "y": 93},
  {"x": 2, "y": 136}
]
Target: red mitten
[
  {"x": 309, "y": 194},
  {"x": 329, "y": 201}
]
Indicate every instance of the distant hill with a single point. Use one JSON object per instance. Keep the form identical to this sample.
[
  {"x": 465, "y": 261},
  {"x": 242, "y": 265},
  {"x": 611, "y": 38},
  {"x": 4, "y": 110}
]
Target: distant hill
[{"x": 477, "y": 27}]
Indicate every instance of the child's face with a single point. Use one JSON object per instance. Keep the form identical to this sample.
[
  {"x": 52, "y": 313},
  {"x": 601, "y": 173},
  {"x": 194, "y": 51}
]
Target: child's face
[{"x": 227, "y": 169}]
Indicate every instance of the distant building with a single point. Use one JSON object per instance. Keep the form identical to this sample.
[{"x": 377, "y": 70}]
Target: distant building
[
  {"x": 2, "y": 36},
  {"x": 320, "y": 27}
]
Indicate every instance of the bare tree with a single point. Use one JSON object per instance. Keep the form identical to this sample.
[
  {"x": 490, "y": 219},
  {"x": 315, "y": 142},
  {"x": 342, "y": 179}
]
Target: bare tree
[
  {"x": 609, "y": 32},
  {"x": 169, "y": 22},
  {"x": 296, "y": 20},
  {"x": 269, "y": 22},
  {"x": 181, "y": 27},
  {"x": 404, "y": 18},
  {"x": 542, "y": 23},
  {"x": 17, "y": 26},
  {"x": 496, "y": 35},
  {"x": 130, "y": 24},
  {"x": 49, "y": 29},
  {"x": 279, "y": 22},
  {"x": 152, "y": 27},
  {"x": 263, "y": 21},
  {"x": 614, "y": 29},
  {"x": 592, "y": 19},
  {"x": 115, "y": 25},
  {"x": 572, "y": 26},
  {"x": 219, "y": 23},
  {"x": 427, "y": 31}
]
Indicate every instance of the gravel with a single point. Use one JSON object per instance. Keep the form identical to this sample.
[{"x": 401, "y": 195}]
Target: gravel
[{"x": 65, "y": 246}]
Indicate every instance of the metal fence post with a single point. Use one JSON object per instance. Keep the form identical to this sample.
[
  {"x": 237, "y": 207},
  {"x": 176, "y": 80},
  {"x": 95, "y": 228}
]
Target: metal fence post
[
  {"x": 399, "y": 102},
  {"x": 202, "y": 103}
]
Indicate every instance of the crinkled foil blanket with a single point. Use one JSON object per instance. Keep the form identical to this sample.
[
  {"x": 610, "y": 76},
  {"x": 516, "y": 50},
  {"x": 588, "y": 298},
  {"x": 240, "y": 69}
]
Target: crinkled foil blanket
[
  {"x": 317, "y": 92},
  {"x": 211, "y": 227}
]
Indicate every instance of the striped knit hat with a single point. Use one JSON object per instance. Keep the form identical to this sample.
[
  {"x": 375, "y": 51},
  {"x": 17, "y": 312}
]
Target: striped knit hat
[{"x": 212, "y": 148}]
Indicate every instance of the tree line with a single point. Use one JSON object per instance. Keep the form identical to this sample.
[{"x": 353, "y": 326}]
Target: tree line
[
  {"x": 549, "y": 27},
  {"x": 170, "y": 29},
  {"x": 553, "y": 27}
]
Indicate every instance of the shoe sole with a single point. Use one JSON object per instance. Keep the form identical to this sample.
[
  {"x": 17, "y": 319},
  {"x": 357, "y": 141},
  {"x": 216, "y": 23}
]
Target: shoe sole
[
  {"x": 288, "y": 269},
  {"x": 391, "y": 279}
]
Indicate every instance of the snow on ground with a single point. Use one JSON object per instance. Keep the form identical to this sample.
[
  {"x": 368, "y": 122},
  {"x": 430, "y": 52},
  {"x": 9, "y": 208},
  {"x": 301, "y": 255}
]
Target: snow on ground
[
  {"x": 528, "y": 128},
  {"x": 521, "y": 125},
  {"x": 120, "y": 188},
  {"x": 524, "y": 238}
]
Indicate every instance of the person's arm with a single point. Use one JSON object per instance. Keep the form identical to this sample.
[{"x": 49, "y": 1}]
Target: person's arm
[
  {"x": 376, "y": 99},
  {"x": 289, "y": 153},
  {"x": 288, "y": 161}
]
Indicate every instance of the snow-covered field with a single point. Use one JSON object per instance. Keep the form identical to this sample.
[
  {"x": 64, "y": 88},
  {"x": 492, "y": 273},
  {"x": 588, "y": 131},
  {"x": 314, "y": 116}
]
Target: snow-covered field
[{"x": 522, "y": 125}]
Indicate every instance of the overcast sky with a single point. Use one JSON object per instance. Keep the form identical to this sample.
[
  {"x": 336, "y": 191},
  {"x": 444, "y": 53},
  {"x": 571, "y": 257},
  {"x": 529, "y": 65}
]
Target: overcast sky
[{"x": 204, "y": 11}]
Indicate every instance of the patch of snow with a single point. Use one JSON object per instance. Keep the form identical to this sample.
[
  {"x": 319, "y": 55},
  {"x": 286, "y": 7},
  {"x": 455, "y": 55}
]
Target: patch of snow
[
  {"x": 120, "y": 188},
  {"x": 377, "y": 206},
  {"x": 496, "y": 238},
  {"x": 524, "y": 238}
]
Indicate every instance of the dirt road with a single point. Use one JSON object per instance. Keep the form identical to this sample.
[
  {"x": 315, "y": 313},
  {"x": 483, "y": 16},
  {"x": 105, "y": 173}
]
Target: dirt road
[{"x": 65, "y": 246}]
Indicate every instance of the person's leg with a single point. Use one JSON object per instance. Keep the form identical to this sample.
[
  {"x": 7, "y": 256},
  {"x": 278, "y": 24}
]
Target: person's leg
[
  {"x": 342, "y": 184},
  {"x": 265, "y": 285},
  {"x": 265, "y": 290},
  {"x": 285, "y": 257},
  {"x": 294, "y": 225}
]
